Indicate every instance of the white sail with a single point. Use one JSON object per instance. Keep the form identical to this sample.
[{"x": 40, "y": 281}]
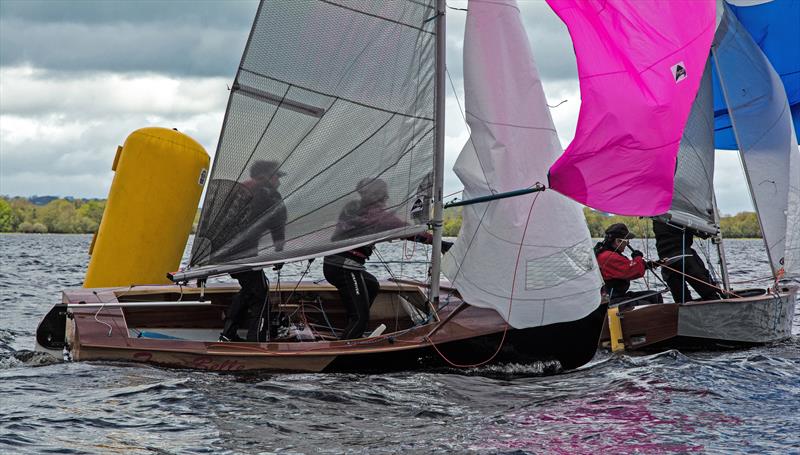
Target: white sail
[
  {"x": 791, "y": 258},
  {"x": 762, "y": 124},
  {"x": 528, "y": 257}
]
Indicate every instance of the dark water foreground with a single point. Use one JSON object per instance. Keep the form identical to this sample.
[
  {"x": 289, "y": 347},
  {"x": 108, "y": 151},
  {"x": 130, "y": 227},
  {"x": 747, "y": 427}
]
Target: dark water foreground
[{"x": 745, "y": 401}]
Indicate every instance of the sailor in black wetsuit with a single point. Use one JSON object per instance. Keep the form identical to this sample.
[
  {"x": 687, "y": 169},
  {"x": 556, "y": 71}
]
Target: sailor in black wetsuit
[
  {"x": 266, "y": 212},
  {"x": 357, "y": 287},
  {"x": 671, "y": 242}
]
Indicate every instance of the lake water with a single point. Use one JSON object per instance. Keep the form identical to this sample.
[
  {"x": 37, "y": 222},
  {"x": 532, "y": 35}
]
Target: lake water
[{"x": 743, "y": 401}]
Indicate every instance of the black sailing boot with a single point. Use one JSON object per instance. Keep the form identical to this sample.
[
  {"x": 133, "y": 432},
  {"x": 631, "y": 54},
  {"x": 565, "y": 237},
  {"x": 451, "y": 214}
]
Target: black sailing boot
[{"x": 232, "y": 319}]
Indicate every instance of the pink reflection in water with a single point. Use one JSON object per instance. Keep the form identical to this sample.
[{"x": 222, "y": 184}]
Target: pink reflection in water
[{"x": 631, "y": 419}]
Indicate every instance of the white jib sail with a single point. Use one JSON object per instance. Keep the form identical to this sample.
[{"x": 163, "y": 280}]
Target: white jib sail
[
  {"x": 528, "y": 257},
  {"x": 791, "y": 263}
]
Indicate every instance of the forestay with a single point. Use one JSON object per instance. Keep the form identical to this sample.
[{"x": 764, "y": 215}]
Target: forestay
[
  {"x": 762, "y": 124},
  {"x": 332, "y": 94},
  {"x": 693, "y": 199},
  {"x": 528, "y": 257},
  {"x": 639, "y": 63}
]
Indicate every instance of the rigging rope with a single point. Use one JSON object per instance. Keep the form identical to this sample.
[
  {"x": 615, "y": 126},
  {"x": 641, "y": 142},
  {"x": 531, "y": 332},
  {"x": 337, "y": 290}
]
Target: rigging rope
[
  {"x": 686, "y": 275},
  {"x": 510, "y": 304}
]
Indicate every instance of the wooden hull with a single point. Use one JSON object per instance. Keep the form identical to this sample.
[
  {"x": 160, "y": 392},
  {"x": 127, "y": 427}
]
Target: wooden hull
[
  {"x": 463, "y": 335},
  {"x": 743, "y": 321}
]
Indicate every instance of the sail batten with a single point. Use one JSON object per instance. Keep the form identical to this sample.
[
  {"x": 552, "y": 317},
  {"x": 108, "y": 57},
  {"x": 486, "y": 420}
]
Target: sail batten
[
  {"x": 333, "y": 102},
  {"x": 639, "y": 65},
  {"x": 528, "y": 257}
]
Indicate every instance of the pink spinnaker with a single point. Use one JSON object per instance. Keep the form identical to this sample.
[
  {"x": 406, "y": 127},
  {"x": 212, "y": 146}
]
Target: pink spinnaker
[{"x": 639, "y": 63}]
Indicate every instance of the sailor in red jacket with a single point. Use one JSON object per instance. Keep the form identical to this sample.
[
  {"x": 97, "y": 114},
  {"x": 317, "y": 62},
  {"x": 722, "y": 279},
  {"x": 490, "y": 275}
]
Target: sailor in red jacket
[{"x": 618, "y": 270}]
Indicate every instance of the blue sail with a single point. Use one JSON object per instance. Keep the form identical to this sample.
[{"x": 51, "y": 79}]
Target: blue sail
[{"x": 773, "y": 25}]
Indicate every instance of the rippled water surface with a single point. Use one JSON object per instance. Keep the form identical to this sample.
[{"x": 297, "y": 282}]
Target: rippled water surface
[{"x": 744, "y": 401}]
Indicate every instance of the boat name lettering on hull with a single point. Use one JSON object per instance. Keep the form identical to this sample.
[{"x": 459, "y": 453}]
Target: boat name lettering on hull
[{"x": 203, "y": 362}]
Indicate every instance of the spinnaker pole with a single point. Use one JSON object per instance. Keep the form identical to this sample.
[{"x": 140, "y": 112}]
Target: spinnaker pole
[{"x": 438, "y": 155}]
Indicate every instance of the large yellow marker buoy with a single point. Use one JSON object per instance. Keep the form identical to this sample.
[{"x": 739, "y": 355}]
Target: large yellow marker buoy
[{"x": 159, "y": 176}]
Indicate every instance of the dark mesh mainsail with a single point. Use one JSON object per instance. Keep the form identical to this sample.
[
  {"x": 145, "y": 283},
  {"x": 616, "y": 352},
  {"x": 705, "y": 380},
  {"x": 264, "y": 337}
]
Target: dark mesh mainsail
[
  {"x": 334, "y": 99},
  {"x": 693, "y": 199}
]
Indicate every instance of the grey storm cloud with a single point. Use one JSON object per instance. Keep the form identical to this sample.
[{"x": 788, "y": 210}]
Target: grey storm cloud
[
  {"x": 180, "y": 38},
  {"x": 192, "y": 38},
  {"x": 547, "y": 34},
  {"x": 79, "y": 76}
]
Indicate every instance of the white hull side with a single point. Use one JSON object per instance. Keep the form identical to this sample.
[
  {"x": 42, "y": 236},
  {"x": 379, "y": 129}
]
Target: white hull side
[{"x": 760, "y": 319}]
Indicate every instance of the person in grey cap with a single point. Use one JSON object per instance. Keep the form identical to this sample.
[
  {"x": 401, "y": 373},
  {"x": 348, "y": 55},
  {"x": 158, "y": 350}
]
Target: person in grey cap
[{"x": 618, "y": 270}]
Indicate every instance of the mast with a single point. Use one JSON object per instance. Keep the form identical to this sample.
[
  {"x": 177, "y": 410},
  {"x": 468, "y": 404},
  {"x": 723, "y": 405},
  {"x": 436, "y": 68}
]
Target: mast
[
  {"x": 741, "y": 158},
  {"x": 438, "y": 155}
]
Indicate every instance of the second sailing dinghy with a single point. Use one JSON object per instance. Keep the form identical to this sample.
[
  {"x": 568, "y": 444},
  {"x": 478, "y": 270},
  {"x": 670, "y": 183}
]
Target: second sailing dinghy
[
  {"x": 751, "y": 96},
  {"x": 333, "y": 93}
]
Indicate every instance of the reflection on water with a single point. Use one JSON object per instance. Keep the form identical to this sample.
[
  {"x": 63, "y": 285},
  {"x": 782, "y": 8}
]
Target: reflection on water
[{"x": 722, "y": 402}]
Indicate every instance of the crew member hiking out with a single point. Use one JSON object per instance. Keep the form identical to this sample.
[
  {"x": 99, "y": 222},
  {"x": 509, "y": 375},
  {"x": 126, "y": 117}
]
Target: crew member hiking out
[
  {"x": 265, "y": 212},
  {"x": 357, "y": 287},
  {"x": 618, "y": 270}
]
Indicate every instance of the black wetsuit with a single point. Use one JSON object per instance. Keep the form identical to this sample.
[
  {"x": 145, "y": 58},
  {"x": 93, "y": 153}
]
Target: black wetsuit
[
  {"x": 672, "y": 241},
  {"x": 266, "y": 211},
  {"x": 357, "y": 287}
]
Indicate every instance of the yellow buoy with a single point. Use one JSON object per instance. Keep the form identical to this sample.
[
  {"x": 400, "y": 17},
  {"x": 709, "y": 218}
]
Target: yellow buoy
[
  {"x": 615, "y": 330},
  {"x": 160, "y": 174}
]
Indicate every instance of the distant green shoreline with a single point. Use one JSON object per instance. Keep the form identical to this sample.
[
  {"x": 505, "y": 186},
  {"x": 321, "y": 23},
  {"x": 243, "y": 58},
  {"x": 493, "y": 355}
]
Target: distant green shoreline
[{"x": 48, "y": 215}]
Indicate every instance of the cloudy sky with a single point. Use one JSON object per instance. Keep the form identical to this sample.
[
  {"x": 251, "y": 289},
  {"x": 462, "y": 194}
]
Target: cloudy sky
[{"x": 76, "y": 77}]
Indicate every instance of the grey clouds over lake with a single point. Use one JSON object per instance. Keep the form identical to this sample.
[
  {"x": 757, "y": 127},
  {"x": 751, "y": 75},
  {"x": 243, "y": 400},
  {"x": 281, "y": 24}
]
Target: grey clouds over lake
[{"x": 77, "y": 77}]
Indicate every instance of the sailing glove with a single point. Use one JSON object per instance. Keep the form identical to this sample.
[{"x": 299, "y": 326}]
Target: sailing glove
[
  {"x": 637, "y": 254},
  {"x": 650, "y": 265}
]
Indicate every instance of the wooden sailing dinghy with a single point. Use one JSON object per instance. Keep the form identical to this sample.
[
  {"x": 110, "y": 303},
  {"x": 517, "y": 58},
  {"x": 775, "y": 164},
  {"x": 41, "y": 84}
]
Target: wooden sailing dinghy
[
  {"x": 755, "y": 103},
  {"x": 171, "y": 326}
]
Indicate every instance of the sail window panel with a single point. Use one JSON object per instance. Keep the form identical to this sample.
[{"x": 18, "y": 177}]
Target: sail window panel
[
  {"x": 367, "y": 58},
  {"x": 560, "y": 267}
]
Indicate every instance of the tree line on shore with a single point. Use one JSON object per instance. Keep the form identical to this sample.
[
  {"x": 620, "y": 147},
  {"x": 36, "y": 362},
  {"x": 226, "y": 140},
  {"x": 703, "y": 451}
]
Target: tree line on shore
[
  {"x": 63, "y": 216},
  {"x": 741, "y": 225},
  {"x": 78, "y": 216}
]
